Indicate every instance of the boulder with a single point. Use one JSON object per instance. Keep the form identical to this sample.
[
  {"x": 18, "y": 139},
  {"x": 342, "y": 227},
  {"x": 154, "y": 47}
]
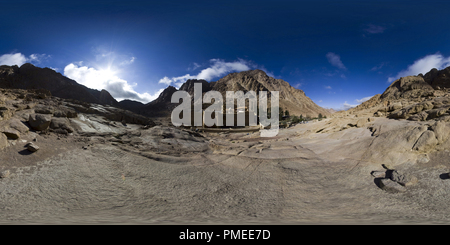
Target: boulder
[
  {"x": 32, "y": 147},
  {"x": 11, "y": 133},
  {"x": 18, "y": 125},
  {"x": 40, "y": 122},
  {"x": 402, "y": 179},
  {"x": 61, "y": 123},
  {"x": 65, "y": 112}
]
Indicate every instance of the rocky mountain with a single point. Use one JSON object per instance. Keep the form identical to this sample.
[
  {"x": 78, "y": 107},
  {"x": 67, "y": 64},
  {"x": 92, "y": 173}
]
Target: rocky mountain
[
  {"x": 416, "y": 98},
  {"x": 291, "y": 99},
  {"x": 29, "y": 76}
]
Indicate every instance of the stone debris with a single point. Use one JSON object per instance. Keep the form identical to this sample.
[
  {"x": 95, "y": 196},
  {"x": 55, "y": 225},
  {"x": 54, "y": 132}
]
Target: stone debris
[
  {"x": 4, "y": 174},
  {"x": 32, "y": 147}
]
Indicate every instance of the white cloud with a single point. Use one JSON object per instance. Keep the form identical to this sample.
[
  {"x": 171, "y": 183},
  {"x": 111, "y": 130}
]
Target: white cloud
[
  {"x": 128, "y": 62},
  {"x": 328, "y": 87},
  {"x": 20, "y": 59},
  {"x": 13, "y": 59},
  {"x": 119, "y": 88},
  {"x": 335, "y": 60},
  {"x": 423, "y": 65},
  {"x": 218, "y": 68},
  {"x": 347, "y": 106},
  {"x": 165, "y": 80},
  {"x": 363, "y": 99}
]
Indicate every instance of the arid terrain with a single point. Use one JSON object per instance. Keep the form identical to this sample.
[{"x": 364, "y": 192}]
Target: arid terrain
[{"x": 383, "y": 162}]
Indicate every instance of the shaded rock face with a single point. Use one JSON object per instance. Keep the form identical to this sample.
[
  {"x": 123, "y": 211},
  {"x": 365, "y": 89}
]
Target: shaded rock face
[
  {"x": 30, "y": 77},
  {"x": 438, "y": 79},
  {"x": 161, "y": 107}
]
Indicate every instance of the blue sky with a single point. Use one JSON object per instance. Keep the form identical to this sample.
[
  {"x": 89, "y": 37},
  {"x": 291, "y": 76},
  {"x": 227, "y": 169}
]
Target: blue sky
[{"x": 338, "y": 52}]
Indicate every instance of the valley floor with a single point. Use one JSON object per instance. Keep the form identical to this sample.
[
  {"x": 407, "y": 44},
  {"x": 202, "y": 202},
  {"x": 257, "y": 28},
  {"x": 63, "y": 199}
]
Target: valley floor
[{"x": 165, "y": 175}]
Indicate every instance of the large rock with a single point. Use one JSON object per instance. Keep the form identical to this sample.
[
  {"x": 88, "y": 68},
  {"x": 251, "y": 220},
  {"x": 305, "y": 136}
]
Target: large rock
[
  {"x": 62, "y": 124},
  {"x": 39, "y": 122},
  {"x": 11, "y": 133},
  {"x": 18, "y": 125},
  {"x": 402, "y": 179},
  {"x": 65, "y": 112}
]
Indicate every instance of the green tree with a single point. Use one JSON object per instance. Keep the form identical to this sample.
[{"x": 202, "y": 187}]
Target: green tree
[{"x": 320, "y": 116}]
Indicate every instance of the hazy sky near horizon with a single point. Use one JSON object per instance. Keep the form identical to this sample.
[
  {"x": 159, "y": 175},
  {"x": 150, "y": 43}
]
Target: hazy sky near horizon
[{"x": 339, "y": 52}]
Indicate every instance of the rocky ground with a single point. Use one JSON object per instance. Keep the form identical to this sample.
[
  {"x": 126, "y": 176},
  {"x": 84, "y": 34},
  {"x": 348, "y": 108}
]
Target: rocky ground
[{"x": 96, "y": 164}]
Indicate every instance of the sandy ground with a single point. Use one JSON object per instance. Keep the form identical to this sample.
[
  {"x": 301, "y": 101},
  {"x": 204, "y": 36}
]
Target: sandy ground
[{"x": 164, "y": 175}]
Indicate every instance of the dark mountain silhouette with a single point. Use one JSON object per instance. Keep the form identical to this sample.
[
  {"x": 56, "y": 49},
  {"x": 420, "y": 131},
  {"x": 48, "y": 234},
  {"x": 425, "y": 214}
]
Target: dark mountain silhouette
[{"x": 29, "y": 76}]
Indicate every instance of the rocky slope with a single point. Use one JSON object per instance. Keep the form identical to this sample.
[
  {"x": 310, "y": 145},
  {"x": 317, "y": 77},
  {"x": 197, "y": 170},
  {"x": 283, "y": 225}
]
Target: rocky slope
[{"x": 416, "y": 98}]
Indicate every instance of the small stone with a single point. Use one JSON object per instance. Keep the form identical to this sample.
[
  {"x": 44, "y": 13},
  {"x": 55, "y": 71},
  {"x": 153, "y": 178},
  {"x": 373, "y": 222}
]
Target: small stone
[
  {"x": 32, "y": 147},
  {"x": 423, "y": 159},
  {"x": 378, "y": 174},
  {"x": 403, "y": 179},
  {"x": 4, "y": 174}
]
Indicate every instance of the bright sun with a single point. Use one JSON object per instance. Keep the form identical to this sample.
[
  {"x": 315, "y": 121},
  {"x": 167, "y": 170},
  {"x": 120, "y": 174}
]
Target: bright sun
[{"x": 107, "y": 73}]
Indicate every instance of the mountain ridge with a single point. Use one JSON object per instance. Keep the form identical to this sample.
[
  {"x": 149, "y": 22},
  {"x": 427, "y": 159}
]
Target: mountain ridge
[{"x": 29, "y": 76}]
